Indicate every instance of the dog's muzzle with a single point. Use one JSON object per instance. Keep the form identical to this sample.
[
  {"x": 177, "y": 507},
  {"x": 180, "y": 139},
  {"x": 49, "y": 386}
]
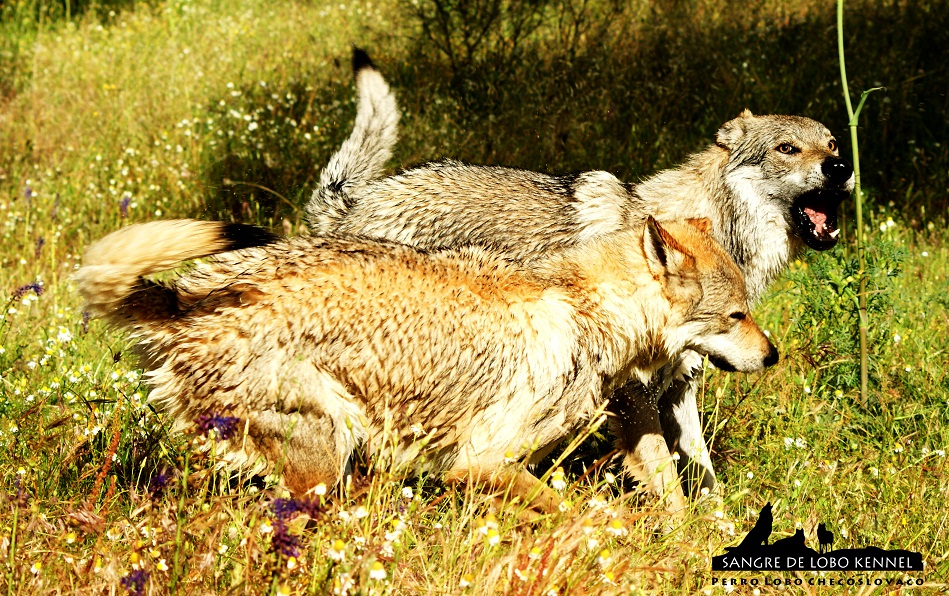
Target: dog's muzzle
[{"x": 815, "y": 212}]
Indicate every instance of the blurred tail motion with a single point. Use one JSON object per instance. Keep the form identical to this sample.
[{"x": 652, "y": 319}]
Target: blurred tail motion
[{"x": 111, "y": 277}]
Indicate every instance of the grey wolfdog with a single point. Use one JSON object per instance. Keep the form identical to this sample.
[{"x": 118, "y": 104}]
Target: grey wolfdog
[
  {"x": 770, "y": 185},
  {"x": 325, "y": 345}
]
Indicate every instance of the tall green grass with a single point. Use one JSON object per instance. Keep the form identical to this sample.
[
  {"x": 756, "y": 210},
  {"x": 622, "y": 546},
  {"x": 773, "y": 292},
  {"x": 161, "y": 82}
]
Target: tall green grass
[{"x": 228, "y": 109}]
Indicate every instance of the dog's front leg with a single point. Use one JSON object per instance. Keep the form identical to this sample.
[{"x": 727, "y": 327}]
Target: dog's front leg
[
  {"x": 516, "y": 482},
  {"x": 682, "y": 429},
  {"x": 638, "y": 433}
]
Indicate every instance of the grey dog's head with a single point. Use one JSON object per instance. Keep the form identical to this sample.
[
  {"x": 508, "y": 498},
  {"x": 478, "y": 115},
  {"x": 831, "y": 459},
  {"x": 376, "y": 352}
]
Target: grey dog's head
[{"x": 793, "y": 161}]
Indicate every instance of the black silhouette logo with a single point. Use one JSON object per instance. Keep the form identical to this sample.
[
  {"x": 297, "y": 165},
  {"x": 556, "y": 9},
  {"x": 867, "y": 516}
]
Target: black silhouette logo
[
  {"x": 792, "y": 553},
  {"x": 824, "y": 537},
  {"x": 758, "y": 534}
]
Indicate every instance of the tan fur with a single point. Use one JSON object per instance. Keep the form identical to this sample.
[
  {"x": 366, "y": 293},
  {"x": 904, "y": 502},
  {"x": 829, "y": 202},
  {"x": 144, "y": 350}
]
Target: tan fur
[
  {"x": 764, "y": 204},
  {"x": 325, "y": 346}
]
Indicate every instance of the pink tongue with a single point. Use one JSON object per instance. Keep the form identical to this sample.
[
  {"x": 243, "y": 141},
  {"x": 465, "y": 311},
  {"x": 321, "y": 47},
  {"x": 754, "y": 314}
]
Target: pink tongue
[{"x": 818, "y": 218}]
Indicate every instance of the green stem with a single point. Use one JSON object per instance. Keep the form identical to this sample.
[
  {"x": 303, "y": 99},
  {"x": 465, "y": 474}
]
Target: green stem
[
  {"x": 16, "y": 519},
  {"x": 176, "y": 569},
  {"x": 858, "y": 197}
]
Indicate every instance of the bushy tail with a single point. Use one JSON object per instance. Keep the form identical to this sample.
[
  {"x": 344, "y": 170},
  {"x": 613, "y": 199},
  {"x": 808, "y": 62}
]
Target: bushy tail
[
  {"x": 113, "y": 267},
  {"x": 363, "y": 155}
]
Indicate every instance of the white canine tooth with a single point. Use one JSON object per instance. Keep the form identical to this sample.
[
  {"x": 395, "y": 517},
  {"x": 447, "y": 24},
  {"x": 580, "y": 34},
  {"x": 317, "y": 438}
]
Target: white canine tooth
[{"x": 835, "y": 233}]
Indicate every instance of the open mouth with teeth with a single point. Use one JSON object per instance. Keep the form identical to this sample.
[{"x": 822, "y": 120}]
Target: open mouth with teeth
[{"x": 815, "y": 215}]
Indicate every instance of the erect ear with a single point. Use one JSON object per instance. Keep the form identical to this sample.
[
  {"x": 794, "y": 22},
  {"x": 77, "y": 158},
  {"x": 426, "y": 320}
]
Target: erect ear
[
  {"x": 702, "y": 224},
  {"x": 732, "y": 131},
  {"x": 664, "y": 255}
]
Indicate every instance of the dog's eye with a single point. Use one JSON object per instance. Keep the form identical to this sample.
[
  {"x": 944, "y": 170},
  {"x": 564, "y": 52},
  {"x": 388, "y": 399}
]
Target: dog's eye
[
  {"x": 787, "y": 148},
  {"x": 740, "y": 316},
  {"x": 832, "y": 145}
]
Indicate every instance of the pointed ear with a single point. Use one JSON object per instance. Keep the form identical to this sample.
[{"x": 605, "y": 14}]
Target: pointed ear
[
  {"x": 702, "y": 224},
  {"x": 732, "y": 131},
  {"x": 664, "y": 255}
]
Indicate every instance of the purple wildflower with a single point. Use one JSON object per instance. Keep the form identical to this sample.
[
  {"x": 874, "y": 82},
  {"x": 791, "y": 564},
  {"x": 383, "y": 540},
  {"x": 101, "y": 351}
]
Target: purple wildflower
[
  {"x": 284, "y": 509},
  {"x": 86, "y": 317},
  {"x": 134, "y": 582},
  {"x": 124, "y": 205},
  {"x": 40, "y": 242},
  {"x": 20, "y": 498},
  {"x": 159, "y": 482},
  {"x": 36, "y": 287},
  {"x": 282, "y": 541},
  {"x": 28, "y": 194},
  {"x": 226, "y": 426}
]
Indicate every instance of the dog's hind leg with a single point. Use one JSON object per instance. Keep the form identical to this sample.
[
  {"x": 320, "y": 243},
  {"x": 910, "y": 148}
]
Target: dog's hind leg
[{"x": 303, "y": 449}]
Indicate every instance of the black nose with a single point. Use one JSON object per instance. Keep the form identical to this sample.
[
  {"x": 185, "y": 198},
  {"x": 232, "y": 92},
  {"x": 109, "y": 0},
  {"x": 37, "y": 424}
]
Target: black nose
[
  {"x": 836, "y": 170},
  {"x": 772, "y": 358}
]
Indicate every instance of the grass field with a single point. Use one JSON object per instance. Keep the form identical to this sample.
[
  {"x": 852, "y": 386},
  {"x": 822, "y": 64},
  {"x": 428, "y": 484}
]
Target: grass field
[{"x": 122, "y": 112}]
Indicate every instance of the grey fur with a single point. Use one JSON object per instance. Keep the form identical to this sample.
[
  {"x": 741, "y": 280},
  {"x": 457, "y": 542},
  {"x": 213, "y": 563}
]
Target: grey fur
[{"x": 763, "y": 182}]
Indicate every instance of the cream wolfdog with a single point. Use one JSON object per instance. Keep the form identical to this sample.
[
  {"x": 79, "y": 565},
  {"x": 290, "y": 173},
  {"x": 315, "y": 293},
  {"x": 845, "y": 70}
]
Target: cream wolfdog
[
  {"x": 769, "y": 184},
  {"x": 448, "y": 361}
]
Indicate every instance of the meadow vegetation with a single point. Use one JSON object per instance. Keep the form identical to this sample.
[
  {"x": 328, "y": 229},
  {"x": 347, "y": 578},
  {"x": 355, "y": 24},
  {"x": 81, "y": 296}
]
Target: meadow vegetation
[{"x": 116, "y": 112}]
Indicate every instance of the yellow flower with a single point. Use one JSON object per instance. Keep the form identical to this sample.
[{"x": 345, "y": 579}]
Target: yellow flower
[
  {"x": 558, "y": 479},
  {"x": 466, "y": 580},
  {"x": 70, "y": 537},
  {"x": 337, "y": 551},
  {"x": 483, "y": 524},
  {"x": 377, "y": 571},
  {"x": 604, "y": 558},
  {"x": 616, "y": 528}
]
